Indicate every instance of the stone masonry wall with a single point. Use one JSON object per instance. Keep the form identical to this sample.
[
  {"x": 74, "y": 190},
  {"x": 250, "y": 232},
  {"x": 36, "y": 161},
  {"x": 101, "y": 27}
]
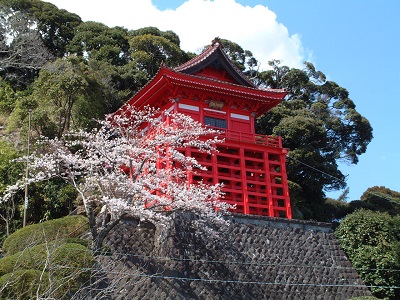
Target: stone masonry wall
[{"x": 252, "y": 258}]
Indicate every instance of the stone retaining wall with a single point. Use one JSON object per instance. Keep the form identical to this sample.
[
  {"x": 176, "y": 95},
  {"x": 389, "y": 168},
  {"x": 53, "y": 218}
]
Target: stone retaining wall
[{"x": 252, "y": 258}]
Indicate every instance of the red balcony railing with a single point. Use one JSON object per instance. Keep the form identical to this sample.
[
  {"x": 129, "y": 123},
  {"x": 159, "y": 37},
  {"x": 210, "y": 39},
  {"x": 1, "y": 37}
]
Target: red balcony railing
[{"x": 266, "y": 140}]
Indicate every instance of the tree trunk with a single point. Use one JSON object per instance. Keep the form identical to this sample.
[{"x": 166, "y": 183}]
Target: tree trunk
[
  {"x": 162, "y": 239},
  {"x": 102, "y": 232}
]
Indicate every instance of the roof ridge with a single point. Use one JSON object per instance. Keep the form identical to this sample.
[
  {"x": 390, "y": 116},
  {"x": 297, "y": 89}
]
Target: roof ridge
[
  {"x": 216, "y": 45},
  {"x": 198, "y": 58},
  {"x": 281, "y": 90}
]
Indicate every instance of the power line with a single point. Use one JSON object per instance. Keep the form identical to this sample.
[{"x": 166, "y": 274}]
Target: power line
[
  {"x": 322, "y": 172},
  {"x": 311, "y": 167},
  {"x": 235, "y": 262},
  {"x": 235, "y": 281},
  {"x": 230, "y": 262},
  {"x": 383, "y": 197}
]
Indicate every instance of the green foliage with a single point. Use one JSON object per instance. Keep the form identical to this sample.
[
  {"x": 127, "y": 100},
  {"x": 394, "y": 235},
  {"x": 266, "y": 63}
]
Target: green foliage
[
  {"x": 10, "y": 100},
  {"x": 382, "y": 192},
  {"x": 96, "y": 41},
  {"x": 51, "y": 199},
  {"x": 68, "y": 94},
  {"x": 333, "y": 210},
  {"x": 46, "y": 260},
  {"x": 319, "y": 125},
  {"x": 243, "y": 59},
  {"x": 56, "y": 90},
  {"x": 83, "y": 242},
  {"x": 9, "y": 174},
  {"x": 68, "y": 264},
  {"x": 67, "y": 227},
  {"x": 380, "y": 198},
  {"x": 30, "y": 258},
  {"x": 296, "y": 199},
  {"x": 41, "y": 32},
  {"x": 126, "y": 80},
  {"x": 107, "y": 90},
  {"x": 7, "y": 97},
  {"x": 9, "y": 170},
  {"x": 148, "y": 51},
  {"x": 365, "y": 227},
  {"x": 371, "y": 240},
  {"x": 55, "y": 25},
  {"x": 169, "y": 35},
  {"x": 108, "y": 55},
  {"x": 47, "y": 200},
  {"x": 23, "y": 284}
]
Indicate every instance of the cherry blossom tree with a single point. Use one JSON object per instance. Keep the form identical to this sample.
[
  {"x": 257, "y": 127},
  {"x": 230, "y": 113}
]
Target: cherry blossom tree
[{"x": 132, "y": 164}]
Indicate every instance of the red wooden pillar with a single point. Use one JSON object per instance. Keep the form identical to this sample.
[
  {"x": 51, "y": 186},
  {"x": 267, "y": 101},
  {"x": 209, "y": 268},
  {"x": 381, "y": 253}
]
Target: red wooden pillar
[
  {"x": 285, "y": 186},
  {"x": 268, "y": 180},
  {"x": 214, "y": 159},
  {"x": 245, "y": 194}
]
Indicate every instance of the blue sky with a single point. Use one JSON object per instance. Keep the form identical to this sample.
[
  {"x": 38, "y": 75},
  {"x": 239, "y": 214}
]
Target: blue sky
[{"x": 354, "y": 42}]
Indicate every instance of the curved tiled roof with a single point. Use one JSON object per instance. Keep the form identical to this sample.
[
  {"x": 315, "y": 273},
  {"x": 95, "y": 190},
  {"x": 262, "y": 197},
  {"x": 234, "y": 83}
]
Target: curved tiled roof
[
  {"x": 190, "y": 75},
  {"x": 252, "y": 88},
  {"x": 213, "y": 53},
  {"x": 253, "y": 258},
  {"x": 167, "y": 77}
]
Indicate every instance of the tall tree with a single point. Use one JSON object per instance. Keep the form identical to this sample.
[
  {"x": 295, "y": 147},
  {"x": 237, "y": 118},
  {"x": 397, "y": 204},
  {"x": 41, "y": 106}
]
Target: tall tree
[
  {"x": 56, "y": 26},
  {"x": 379, "y": 198},
  {"x": 22, "y": 50},
  {"x": 150, "y": 47},
  {"x": 56, "y": 90},
  {"x": 243, "y": 59},
  {"x": 320, "y": 125},
  {"x": 169, "y": 35},
  {"x": 69, "y": 93},
  {"x": 107, "y": 49},
  {"x": 7, "y": 97},
  {"x": 97, "y": 41}
]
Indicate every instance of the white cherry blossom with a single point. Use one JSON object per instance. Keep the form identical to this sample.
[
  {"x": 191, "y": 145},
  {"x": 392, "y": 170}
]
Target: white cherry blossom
[{"x": 132, "y": 164}]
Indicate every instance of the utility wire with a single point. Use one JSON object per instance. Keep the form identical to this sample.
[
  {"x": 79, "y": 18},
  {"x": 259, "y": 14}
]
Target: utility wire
[
  {"x": 311, "y": 167},
  {"x": 230, "y": 262},
  {"x": 183, "y": 278},
  {"x": 235, "y": 262},
  {"x": 322, "y": 172},
  {"x": 384, "y": 197}
]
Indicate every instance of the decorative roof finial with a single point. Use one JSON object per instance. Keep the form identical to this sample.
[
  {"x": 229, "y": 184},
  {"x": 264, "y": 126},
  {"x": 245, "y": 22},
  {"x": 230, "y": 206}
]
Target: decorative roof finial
[{"x": 215, "y": 41}]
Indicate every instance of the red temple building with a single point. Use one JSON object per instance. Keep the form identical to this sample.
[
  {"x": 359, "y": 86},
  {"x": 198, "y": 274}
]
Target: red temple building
[{"x": 214, "y": 92}]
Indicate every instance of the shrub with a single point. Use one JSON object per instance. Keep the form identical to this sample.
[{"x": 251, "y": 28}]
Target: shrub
[
  {"x": 46, "y": 260},
  {"x": 67, "y": 227},
  {"x": 66, "y": 254},
  {"x": 68, "y": 263},
  {"x": 371, "y": 240},
  {"x": 23, "y": 284}
]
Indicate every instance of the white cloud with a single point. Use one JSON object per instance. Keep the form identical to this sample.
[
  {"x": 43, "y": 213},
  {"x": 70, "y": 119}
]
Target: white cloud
[{"x": 197, "y": 22}]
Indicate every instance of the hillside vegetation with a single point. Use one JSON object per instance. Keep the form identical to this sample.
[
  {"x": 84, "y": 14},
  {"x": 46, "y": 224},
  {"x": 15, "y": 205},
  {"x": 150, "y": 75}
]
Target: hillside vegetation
[{"x": 46, "y": 260}]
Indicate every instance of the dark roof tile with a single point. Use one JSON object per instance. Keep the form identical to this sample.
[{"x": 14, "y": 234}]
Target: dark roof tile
[{"x": 215, "y": 52}]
